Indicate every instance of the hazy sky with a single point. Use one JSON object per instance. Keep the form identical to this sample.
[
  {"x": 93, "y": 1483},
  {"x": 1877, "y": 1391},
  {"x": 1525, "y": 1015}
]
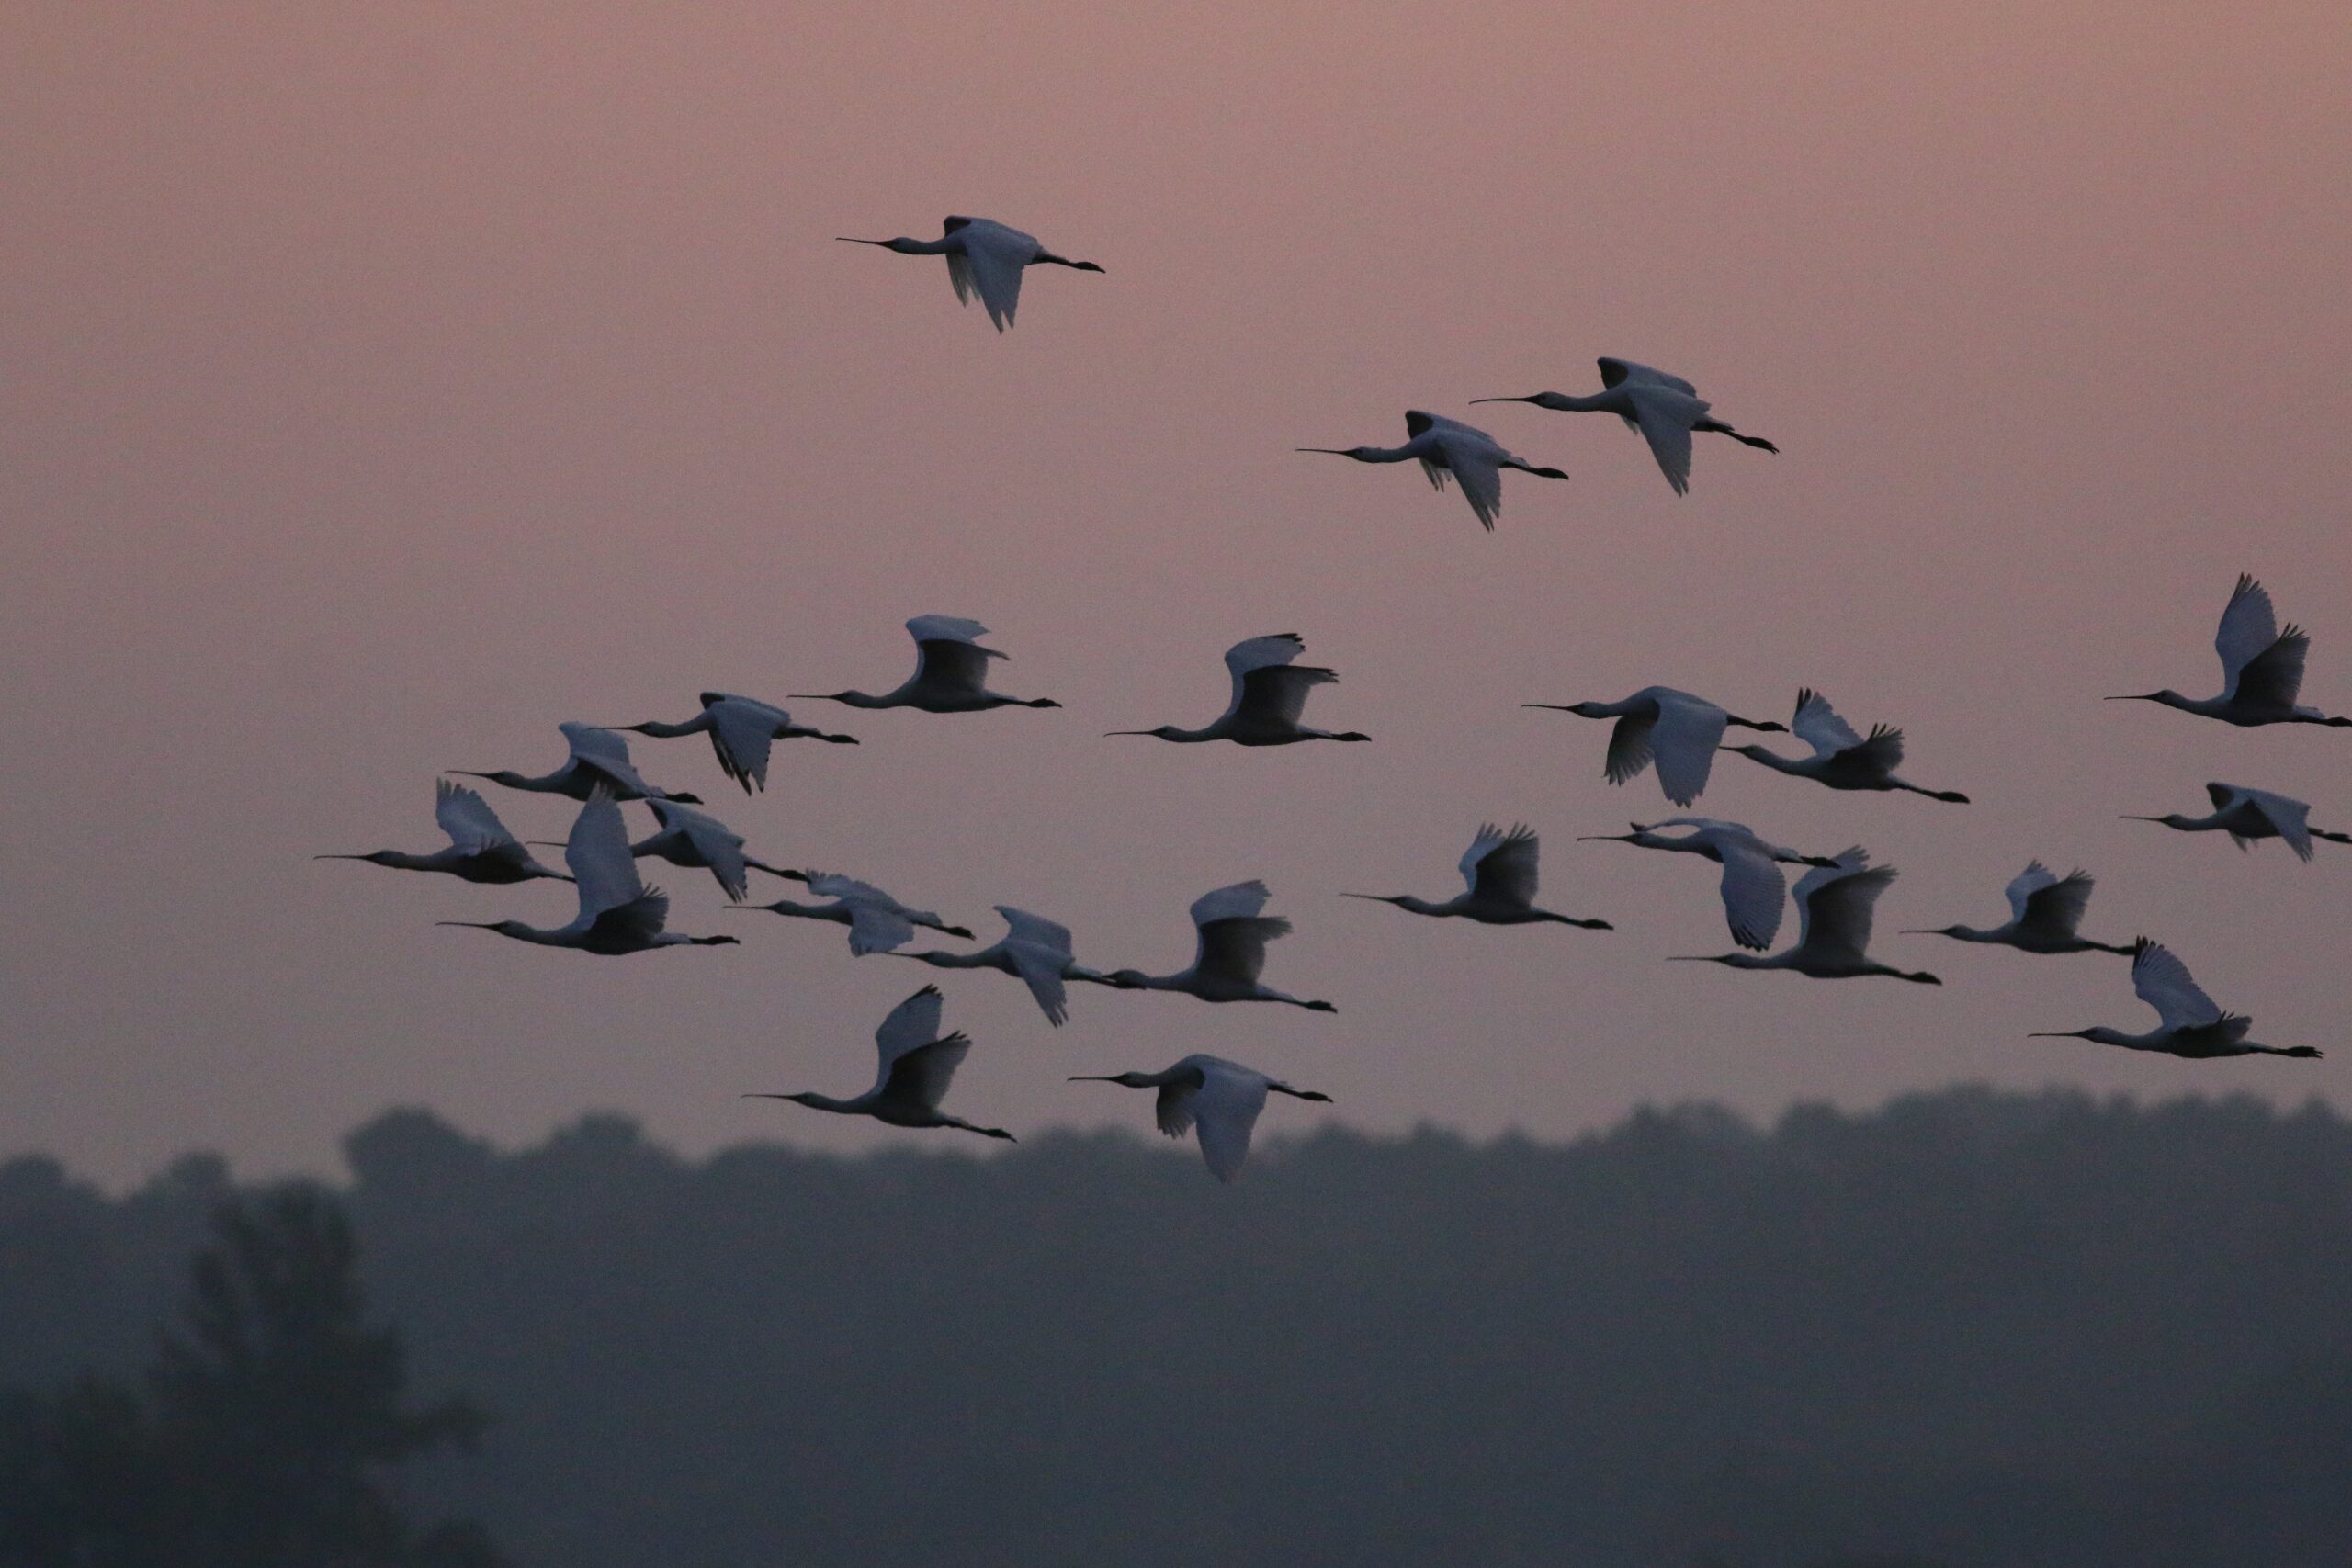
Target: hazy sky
[{"x": 380, "y": 387}]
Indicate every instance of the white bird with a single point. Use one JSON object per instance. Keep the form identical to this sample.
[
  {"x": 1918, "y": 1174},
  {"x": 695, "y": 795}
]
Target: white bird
[
  {"x": 876, "y": 921},
  {"x": 917, "y": 1064},
  {"x": 2044, "y": 909},
  {"x": 1445, "y": 447},
  {"x": 1500, "y": 871},
  {"x": 1841, "y": 759},
  {"x": 599, "y": 760},
  {"x": 1834, "y": 904},
  {"x": 481, "y": 849},
  {"x": 1035, "y": 950},
  {"x": 2188, "y": 1023},
  {"x": 1218, "y": 1099},
  {"x": 951, "y": 673},
  {"x": 984, "y": 258},
  {"x": 1754, "y": 891},
  {"x": 2247, "y": 815},
  {"x": 740, "y": 730},
  {"x": 2262, "y": 668},
  {"x": 1230, "y": 954},
  {"x": 1268, "y": 695},
  {"x": 618, "y": 914},
  {"x": 1665, "y": 409},
  {"x": 1679, "y": 730},
  {"x": 695, "y": 840}
]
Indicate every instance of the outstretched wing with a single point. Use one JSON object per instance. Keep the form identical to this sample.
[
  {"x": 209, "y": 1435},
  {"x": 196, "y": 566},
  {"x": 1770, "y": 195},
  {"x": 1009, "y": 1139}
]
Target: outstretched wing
[
  {"x": 1023, "y": 926},
  {"x": 591, "y": 744},
  {"x": 1684, "y": 739},
  {"x": 1755, "y": 894},
  {"x": 1242, "y": 898},
  {"x": 1664, "y": 417},
  {"x": 1224, "y": 1112},
  {"x": 466, "y": 818},
  {"x": 1613, "y": 371},
  {"x": 876, "y": 928},
  {"x": 720, "y": 846},
  {"x": 2273, "y": 677},
  {"x": 2289, "y": 818},
  {"x": 1275, "y": 695},
  {"x": 2249, "y": 627},
  {"x": 947, "y": 665},
  {"x": 994, "y": 258},
  {"x": 1817, "y": 725},
  {"x": 1501, "y": 867},
  {"x": 1882, "y": 753},
  {"x": 1837, "y": 913},
  {"x": 921, "y": 1077},
  {"x": 1476, "y": 463},
  {"x": 912, "y": 1024},
  {"x": 1631, "y": 746},
  {"x": 597, "y": 853},
  {"x": 741, "y": 732},
  {"x": 2165, "y": 983},
  {"x": 2050, "y": 903},
  {"x": 637, "y": 919}
]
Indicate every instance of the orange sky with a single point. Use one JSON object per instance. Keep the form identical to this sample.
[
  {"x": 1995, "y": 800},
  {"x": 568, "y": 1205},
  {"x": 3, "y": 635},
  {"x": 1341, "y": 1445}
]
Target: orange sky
[{"x": 382, "y": 386}]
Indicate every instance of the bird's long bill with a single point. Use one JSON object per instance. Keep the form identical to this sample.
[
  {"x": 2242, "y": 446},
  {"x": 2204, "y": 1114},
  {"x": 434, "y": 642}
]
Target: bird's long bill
[
  {"x": 1108, "y": 733},
  {"x": 476, "y": 925},
  {"x": 2055, "y": 1034},
  {"x": 852, "y": 240},
  {"x": 1555, "y": 708},
  {"x": 1334, "y": 451},
  {"x": 338, "y": 857},
  {"x": 1096, "y": 1079},
  {"x": 2128, "y": 817},
  {"x": 1604, "y": 838},
  {"x": 1530, "y": 397}
]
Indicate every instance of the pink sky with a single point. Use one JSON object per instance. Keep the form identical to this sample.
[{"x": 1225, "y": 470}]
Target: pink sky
[{"x": 382, "y": 386}]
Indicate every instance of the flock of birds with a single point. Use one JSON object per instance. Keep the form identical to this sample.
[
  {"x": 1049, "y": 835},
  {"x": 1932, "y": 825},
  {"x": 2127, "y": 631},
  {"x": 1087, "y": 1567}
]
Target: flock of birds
[{"x": 1677, "y": 734}]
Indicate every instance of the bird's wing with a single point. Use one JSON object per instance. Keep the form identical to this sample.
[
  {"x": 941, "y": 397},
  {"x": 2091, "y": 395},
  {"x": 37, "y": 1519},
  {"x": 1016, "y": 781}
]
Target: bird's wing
[
  {"x": 1223, "y": 1112},
  {"x": 959, "y": 276},
  {"x": 2056, "y": 903},
  {"x": 1632, "y": 745},
  {"x": 1247, "y": 659},
  {"x": 1664, "y": 416},
  {"x": 1275, "y": 695},
  {"x": 913, "y": 1023},
  {"x": 2165, "y": 983},
  {"x": 876, "y": 928},
  {"x": 1173, "y": 1107},
  {"x": 2248, "y": 627},
  {"x": 1685, "y": 737},
  {"x": 742, "y": 732},
  {"x": 1837, "y": 912},
  {"x": 945, "y": 656},
  {"x": 597, "y": 853},
  {"x": 2289, "y": 817},
  {"x": 1234, "y": 950},
  {"x": 2025, "y": 884},
  {"x": 945, "y": 628},
  {"x": 2273, "y": 677},
  {"x": 466, "y": 818},
  {"x": 1475, "y": 464},
  {"x": 1501, "y": 867},
  {"x": 993, "y": 259},
  {"x": 1240, "y": 900},
  {"x": 591, "y": 744},
  {"x": 1614, "y": 370},
  {"x": 713, "y": 840},
  {"x": 1882, "y": 753},
  {"x": 921, "y": 1077},
  {"x": 640, "y": 918},
  {"x": 1817, "y": 725},
  {"x": 1041, "y": 968},
  {"x": 1755, "y": 894},
  {"x": 832, "y": 884},
  {"x": 1023, "y": 926}
]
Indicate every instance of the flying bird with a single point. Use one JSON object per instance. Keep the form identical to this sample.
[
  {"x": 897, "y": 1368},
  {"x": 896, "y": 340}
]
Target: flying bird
[
  {"x": 1230, "y": 951},
  {"x": 1677, "y": 730},
  {"x": 1834, "y": 904},
  {"x": 951, "y": 673},
  {"x": 917, "y": 1064},
  {"x": 1841, "y": 759},
  {"x": 1754, "y": 891},
  {"x": 876, "y": 922},
  {"x": 2262, "y": 668},
  {"x": 1445, "y": 447},
  {"x": 1269, "y": 694},
  {"x": 2044, "y": 909},
  {"x": 1218, "y": 1099},
  {"x": 740, "y": 730},
  {"x": 599, "y": 760},
  {"x": 1035, "y": 950},
  {"x": 695, "y": 840},
  {"x": 1500, "y": 868},
  {"x": 1665, "y": 409},
  {"x": 481, "y": 849},
  {"x": 984, "y": 258},
  {"x": 618, "y": 914},
  {"x": 2188, "y": 1023},
  {"x": 2247, "y": 815}
]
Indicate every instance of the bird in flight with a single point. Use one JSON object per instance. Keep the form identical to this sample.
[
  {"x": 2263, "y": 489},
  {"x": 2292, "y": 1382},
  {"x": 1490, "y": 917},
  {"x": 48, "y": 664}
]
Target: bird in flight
[
  {"x": 618, "y": 914},
  {"x": 1216, "y": 1099},
  {"x": 599, "y": 761},
  {"x": 1665, "y": 409},
  {"x": 2044, "y": 911},
  {"x": 740, "y": 729},
  {"x": 1500, "y": 868},
  {"x": 876, "y": 922},
  {"x": 1841, "y": 759},
  {"x": 1678, "y": 730},
  {"x": 984, "y": 258},
  {"x": 695, "y": 840},
  {"x": 2188, "y": 1023},
  {"x": 2262, "y": 668},
  {"x": 1448, "y": 447},
  {"x": 481, "y": 849},
  {"x": 1834, "y": 904},
  {"x": 917, "y": 1064},
  {"x": 2247, "y": 815},
  {"x": 1034, "y": 950},
  {"x": 1269, "y": 694},
  {"x": 1754, "y": 890},
  {"x": 1230, "y": 951},
  {"x": 951, "y": 673}
]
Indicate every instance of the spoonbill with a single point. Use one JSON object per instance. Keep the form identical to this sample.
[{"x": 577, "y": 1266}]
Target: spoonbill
[
  {"x": 1754, "y": 891},
  {"x": 1034, "y": 950},
  {"x": 918, "y": 1064},
  {"x": 951, "y": 673},
  {"x": 2262, "y": 668},
  {"x": 2247, "y": 815},
  {"x": 618, "y": 914},
  {"x": 1500, "y": 868},
  {"x": 1841, "y": 759},
  {"x": 2044, "y": 909},
  {"x": 2188, "y": 1023},
  {"x": 1834, "y": 905},
  {"x": 599, "y": 760},
  {"x": 876, "y": 921},
  {"x": 695, "y": 840},
  {"x": 1218, "y": 1099},
  {"x": 1269, "y": 694},
  {"x": 984, "y": 258},
  {"x": 1680, "y": 730},
  {"x": 481, "y": 849},
  {"x": 1445, "y": 447},
  {"x": 740, "y": 729},
  {"x": 1665, "y": 409},
  {"x": 1230, "y": 953}
]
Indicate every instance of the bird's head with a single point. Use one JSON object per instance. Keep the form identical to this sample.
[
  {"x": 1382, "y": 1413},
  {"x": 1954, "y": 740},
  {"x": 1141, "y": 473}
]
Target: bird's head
[
  {"x": 902, "y": 244},
  {"x": 1750, "y": 749},
  {"x": 2170, "y": 820},
  {"x": 1361, "y": 454},
  {"x": 1165, "y": 732},
  {"x": 1125, "y": 1080},
  {"x": 1541, "y": 399},
  {"x": 1582, "y": 710}
]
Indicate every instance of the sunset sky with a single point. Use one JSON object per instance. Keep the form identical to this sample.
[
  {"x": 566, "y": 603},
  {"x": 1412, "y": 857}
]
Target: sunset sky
[{"x": 381, "y": 385}]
